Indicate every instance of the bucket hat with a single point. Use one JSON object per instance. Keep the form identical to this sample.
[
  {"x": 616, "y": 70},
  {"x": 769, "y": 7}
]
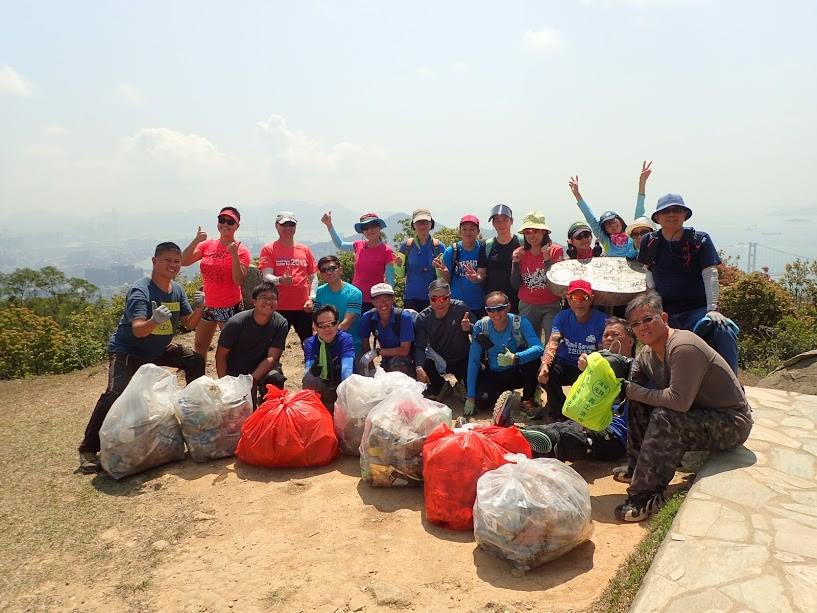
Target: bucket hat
[
  {"x": 533, "y": 220},
  {"x": 669, "y": 200},
  {"x": 420, "y": 215},
  {"x": 641, "y": 222},
  {"x": 366, "y": 219}
]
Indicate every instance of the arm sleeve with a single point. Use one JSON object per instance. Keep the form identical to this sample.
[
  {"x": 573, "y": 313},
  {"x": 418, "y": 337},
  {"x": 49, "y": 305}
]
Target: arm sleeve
[
  {"x": 390, "y": 274},
  {"x": 593, "y": 223},
  {"x": 420, "y": 341},
  {"x": 639, "y": 206},
  {"x": 687, "y": 365},
  {"x": 650, "y": 280},
  {"x": 535, "y": 349},
  {"x": 269, "y": 276},
  {"x": 347, "y": 366},
  {"x": 712, "y": 287},
  {"x": 516, "y": 276},
  {"x": 313, "y": 286},
  {"x": 473, "y": 364},
  {"x": 339, "y": 243}
]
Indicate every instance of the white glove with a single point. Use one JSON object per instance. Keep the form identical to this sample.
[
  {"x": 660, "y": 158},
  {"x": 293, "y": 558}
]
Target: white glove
[
  {"x": 506, "y": 358},
  {"x": 160, "y": 313}
]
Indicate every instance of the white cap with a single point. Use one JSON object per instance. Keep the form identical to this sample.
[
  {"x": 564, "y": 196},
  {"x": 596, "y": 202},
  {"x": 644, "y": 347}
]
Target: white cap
[
  {"x": 285, "y": 216},
  {"x": 382, "y": 289}
]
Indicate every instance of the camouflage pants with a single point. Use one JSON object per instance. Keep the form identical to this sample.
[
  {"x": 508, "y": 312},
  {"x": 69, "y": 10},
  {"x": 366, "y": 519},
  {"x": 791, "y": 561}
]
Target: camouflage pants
[{"x": 657, "y": 439}]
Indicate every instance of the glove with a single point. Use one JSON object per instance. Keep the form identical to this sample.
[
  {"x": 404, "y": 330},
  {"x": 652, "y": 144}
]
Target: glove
[
  {"x": 160, "y": 313},
  {"x": 470, "y": 407},
  {"x": 717, "y": 318},
  {"x": 506, "y": 358},
  {"x": 198, "y": 300}
]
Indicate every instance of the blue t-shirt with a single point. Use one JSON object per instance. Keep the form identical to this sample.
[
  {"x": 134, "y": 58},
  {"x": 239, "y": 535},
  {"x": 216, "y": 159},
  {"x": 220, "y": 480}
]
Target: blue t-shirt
[
  {"x": 341, "y": 350},
  {"x": 386, "y": 335},
  {"x": 138, "y": 306},
  {"x": 419, "y": 269},
  {"x": 470, "y": 293},
  {"x": 676, "y": 268},
  {"x": 347, "y": 299},
  {"x": 578, "y": 338}
]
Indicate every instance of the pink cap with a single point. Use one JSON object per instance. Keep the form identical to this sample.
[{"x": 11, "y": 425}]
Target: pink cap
[
  {"x": 471, "y": 219},
  {"x": 580, "y": 285}
]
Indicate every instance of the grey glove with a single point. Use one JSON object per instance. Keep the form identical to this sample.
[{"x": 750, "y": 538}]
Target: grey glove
[
  {"x": 198, "y": 300},
  {"x": 470, "y": 407},
  {"x": 717, "y": 318},
  {"x": 506, "y": 358},
  {"x": 160, "y": 313}
]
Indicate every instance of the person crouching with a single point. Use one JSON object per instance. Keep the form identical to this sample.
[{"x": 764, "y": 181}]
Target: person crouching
[{"x": 329, "y": 354}]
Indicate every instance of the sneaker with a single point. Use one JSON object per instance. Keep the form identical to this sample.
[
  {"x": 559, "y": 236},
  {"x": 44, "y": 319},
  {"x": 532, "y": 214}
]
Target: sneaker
[
  {"x": 623, "y": 474},
  {"x": 640, "y": 507},
  {"x": 540, "y": 443},
  {"x": 530, "y": 409},
  {"x": 502, "y": 409},
  {"x": 88, "y": 462}
]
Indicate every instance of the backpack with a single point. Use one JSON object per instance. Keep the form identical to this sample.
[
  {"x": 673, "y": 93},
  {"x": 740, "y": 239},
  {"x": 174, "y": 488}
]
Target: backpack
[
  {"x": 435, "y": 250},
  {"x": 482, "y": 335},
  {"x": 397, "y": 324},
  {"x": 653, "y": 247}
]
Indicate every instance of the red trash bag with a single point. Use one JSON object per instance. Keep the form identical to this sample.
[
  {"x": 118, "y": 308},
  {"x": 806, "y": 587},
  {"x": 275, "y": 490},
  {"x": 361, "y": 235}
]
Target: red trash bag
[
  {"x": 288, "y": 430},
  {"x": 453, "y": 461}
]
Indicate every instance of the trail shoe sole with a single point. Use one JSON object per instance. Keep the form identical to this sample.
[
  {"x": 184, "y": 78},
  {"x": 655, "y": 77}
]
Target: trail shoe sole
[{"x": 502, "y": 409}]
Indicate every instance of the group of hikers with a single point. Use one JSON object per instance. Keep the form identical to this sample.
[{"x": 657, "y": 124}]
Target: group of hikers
[{"x": 477, "y": 312}]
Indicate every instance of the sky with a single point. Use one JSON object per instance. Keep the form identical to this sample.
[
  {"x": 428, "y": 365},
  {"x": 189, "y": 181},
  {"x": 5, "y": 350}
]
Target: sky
[{"x": 390, "y": 106}]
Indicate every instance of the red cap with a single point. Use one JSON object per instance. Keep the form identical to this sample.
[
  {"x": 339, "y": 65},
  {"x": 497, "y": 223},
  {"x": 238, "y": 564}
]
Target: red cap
[
  {"x": 471, "y": 219},
  {"x": 229, "y": 213},
  {"x": 580, "y": 285}
]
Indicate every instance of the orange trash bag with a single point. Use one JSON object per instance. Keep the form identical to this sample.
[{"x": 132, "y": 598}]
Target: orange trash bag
[
  {"x": 288, "y": 430},
  {"x": 453, "y": 461}
]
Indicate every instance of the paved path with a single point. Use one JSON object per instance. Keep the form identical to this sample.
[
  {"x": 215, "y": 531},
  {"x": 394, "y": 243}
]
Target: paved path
[{"x": 745, "y": 539}]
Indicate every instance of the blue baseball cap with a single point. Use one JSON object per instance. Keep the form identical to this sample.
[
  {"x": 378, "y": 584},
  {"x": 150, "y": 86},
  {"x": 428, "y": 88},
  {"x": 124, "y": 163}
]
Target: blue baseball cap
[
  {"x": 501, "y": 209},
  {"x": 669, "y": 200}
]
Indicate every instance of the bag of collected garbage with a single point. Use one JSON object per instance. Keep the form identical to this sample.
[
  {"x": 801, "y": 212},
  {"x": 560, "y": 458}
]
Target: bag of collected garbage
[
  {"x": 357, "y": 395},
  {"x": 140, "y": 431},
  {"x": 453, "y": 461},
  {"x": 391, "y": 451},
  {"x": 590, "y": 401},
  {"x": 211, "y": 413},
  {"x": 529, "y": 512},
  {"x": 289, "y": 429}
]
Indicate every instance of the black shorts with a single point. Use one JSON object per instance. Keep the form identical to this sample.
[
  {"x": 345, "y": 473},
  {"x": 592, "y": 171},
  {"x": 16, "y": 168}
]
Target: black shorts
[{"x": 220, "y": 314}]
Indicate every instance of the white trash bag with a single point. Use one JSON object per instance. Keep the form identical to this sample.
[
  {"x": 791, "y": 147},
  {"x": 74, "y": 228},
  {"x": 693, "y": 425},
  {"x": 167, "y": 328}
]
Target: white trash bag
[
  {"x": 357, "y": 395},
  {"x": 141, "y": 431},
  {"x": 529, "y": 512},
  {"x": 391, "y": 451},
  {"x": 211, "y": 413}
]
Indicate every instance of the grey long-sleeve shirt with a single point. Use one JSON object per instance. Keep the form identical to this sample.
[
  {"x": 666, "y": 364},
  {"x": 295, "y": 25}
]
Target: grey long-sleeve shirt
[{"x": 691, "y": 376}]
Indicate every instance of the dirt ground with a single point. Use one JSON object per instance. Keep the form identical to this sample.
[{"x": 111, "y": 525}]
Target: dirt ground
[{"x": 223, "y": 536}]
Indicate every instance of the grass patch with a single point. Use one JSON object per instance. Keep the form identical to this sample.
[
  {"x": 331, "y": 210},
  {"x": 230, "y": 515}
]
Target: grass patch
[{"x": 622, "y": 588}]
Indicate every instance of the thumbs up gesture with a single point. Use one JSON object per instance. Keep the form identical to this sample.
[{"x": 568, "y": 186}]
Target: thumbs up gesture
[
  {"x": 160, "y": 313},
  {"x": 466, "y": 322},
  {"x": 201, "y": 235},
  {"x": 233, "y": 248}
]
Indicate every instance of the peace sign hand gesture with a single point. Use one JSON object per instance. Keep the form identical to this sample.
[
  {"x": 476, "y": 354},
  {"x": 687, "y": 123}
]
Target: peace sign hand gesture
[
  {"x": 646, "y": 171},
  {"x": 574, "y": 187}
]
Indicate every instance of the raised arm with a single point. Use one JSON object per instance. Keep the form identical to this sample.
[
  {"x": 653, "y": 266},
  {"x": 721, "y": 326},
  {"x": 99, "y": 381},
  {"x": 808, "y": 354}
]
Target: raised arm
[
  {"x": 190, "y": 255},
  {"x": 646, "y": 171},
  {"x": 326, "y": 220},
  {"x": 585, "y": 208}
]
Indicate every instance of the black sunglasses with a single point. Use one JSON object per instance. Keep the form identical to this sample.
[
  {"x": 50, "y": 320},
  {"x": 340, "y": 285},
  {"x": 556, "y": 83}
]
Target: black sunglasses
[
  {"x": 228, "y": 220},
  {"x": 582, "y": 235}
]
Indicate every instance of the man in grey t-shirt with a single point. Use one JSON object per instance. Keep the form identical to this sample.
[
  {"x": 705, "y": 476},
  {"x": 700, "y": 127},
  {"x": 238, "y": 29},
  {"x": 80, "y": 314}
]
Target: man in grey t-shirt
[
  {"x": 683, "y": 397},
  {"x": 252, "y": 341}
]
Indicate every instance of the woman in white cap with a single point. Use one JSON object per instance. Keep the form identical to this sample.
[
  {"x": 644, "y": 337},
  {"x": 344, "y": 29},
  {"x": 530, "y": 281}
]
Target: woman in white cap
[
  {"x": 639, "y": 228},
  {"x": 374, "y": 258},
  {"x": 224, "y": 265},
  {"x": 498, "y": 254},
  {"x": 416, "y": 260},
  {"x": 292, "y": 268},
  {"x": 529, "y": 273}
]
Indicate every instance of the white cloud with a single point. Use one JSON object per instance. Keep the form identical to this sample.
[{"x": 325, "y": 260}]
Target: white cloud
[
  {"x": 301, "y": 151},
  {"x": 190, "y": 152},
  {"x": 546, "y": 38},
  {"x": 13, "y": 83},
  {"x": 131, "y": 93},
  {"x": 54, "y": 129}
]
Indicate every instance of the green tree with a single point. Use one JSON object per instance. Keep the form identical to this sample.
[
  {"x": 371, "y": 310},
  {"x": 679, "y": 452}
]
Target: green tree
[
  {"x": 755, "y": 301},
  {"x": 800, "y": 279}
]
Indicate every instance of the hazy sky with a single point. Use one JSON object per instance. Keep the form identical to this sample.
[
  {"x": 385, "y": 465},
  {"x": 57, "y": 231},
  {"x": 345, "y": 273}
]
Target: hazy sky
[{"x": 387, "y": 106}]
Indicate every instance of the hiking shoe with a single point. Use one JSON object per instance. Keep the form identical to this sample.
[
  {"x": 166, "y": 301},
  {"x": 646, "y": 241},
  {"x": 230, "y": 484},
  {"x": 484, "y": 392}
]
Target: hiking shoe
[
  {"x": 89, "y": 462},
  {"x": 640, "y": 507},
  {"x": 502, "y": 409},
  {"x": 530, "y": 409},
  {"x": 540, "y": 443},
  {"x": 623, "y": 474}
]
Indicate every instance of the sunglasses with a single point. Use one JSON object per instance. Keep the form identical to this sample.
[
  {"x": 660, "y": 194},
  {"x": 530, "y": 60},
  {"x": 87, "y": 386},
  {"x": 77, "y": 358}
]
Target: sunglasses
[
  {"x": 228, "y": 220},
  {"x": 326, "y": 324},
  {"x": 496, "y": 308},
  {"x": 327, "y": 269},
  {"x": 672, "y": 209},
  {"x": 583, "y": 235},
  {"x": 371, "y": 226},
  {"x": 578, "y": 297},
  {"x": 439, "y": 298},
  {"x": 637, "y": 233},
  {"x": 647, "y": 320}
]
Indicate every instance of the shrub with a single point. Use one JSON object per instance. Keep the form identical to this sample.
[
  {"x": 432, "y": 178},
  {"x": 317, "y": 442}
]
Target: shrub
[
  {"x": 754, "y": 301},
  {"x": 30, "y": 344},
  {"x": 770, "y": 346}
]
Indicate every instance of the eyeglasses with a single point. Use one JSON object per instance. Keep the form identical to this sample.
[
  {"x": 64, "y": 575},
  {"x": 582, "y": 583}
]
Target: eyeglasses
[
  {"x": 497, "y": 308},
  {"x": 637, "y": 233},
  {"x": 440, "y": 298},
  {"x": 267, "y": 298},
  {"x": 326, "y": 324},
  {"x": 648, "y": 319},
  {"x": 583, "y": 235},
  {"x": 327, "y": 269},
  {"x": 228, "y": 220},
  {"x": 578, "y": 297}
]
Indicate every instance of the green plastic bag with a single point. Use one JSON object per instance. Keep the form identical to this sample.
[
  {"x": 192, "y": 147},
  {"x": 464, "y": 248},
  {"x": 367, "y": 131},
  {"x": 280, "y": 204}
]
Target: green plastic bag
[{"x": 590, "y": 401}]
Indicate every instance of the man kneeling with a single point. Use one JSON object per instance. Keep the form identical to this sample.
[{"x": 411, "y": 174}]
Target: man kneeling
[
  {"x": 694, "y": 402},
  {"x": 330, "y": 356}
]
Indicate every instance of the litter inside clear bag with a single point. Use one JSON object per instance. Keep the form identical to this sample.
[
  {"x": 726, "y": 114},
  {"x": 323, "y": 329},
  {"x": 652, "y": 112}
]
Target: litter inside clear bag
[
  {"x": 529, "y": 512},
  {"x": 211, "y": 413},
  {"x": 140, "y": 430}
]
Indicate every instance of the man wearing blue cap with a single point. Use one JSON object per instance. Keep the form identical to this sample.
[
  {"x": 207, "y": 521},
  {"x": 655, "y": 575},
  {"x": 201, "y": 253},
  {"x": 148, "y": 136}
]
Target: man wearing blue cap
[
  {"x": 499, "y": 252},
  {"x": 682, "y": 267}
]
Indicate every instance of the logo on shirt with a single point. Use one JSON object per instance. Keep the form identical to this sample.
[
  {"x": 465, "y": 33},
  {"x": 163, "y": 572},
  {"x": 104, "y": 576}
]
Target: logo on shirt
[
  {"x": 591, "y": 338},
  {"x": 289, "y": 262},
  {"x": 536, "y": 279}
]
